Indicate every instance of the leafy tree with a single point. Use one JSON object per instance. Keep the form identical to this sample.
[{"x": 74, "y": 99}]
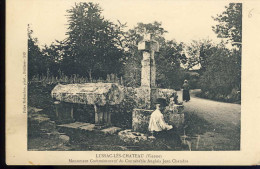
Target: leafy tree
[
  {"x": 93, "y": 43},
  {"x": 132, "y": 60},
  {"x": 230, "y": 24},
  {"x": 199, "y": 51},
  {"x": 54, "y": 55},
  {"x": 170, "y": 74},
  {"x": 36, "y": 61},
  {"x": 168, "y": 61},
  {"x": 222, "y": 74}
]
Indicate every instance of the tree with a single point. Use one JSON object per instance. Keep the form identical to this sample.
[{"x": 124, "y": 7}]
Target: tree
[
  {"x": 199, "y": 51},
  {"x": 230, "y": 24},
  {"x": 170, "y": 74},
  {"x": 36, "y": 61},
  {"x": 54, "y": 55},
  {"x": 168, "y": 61},
  {"x": 133, "y": 57},
  {"x": 222, "y": 75},
  {"x": 93, "y": 43}
]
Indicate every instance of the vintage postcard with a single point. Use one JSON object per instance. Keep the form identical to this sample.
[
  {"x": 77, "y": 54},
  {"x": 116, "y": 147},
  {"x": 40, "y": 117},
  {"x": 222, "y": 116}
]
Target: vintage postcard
[{"x": 133, "y": 82}]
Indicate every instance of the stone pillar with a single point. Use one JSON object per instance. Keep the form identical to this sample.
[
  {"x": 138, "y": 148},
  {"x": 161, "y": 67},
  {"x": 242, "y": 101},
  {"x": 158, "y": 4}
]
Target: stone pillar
[
  {"x": 147, "y": 93},
  {"x": 64, "y": 112},
  {"x": 153, "y": 70},
  {"x": 146, "y": 71},
  {"x": 149, "y": 47}
]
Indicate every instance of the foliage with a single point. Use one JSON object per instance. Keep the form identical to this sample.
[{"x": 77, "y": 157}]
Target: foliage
[
  {"x": 132, "y": 69},
  {"x": 168, "y": 61},
  {"x": 230, "y": 24},
  {"x": 169, "y": 71},
  {"x": 222, "y": 77},
  {"x": 193, "y": 78},
  {"x": 93, "y": 43},
  {"x": 220, "y": 68},
  {"x": 46, "y": 61},
  {"x": 199, "y": 51},
  {"x": 54, "y": 55},
  {"x": 64, "y": 79},
  {"x": 132, "y": 60},
  {"x": 36, "y": 60},
  {"x": 122, "y": 113}
]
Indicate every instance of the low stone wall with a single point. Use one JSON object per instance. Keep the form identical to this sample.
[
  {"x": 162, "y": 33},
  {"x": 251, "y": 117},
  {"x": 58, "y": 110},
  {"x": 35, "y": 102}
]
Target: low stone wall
[
  {"x": 141, "y": 95},
  {"x": 165, "y": 93}
]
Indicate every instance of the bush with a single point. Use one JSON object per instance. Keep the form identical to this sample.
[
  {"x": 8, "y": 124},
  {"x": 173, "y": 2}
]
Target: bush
[
  {"x": 233, "y": 97},
  {"x": 222, "y": 78}
]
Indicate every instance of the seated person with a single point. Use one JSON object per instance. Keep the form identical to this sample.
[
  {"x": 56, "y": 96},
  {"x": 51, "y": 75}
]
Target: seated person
[
  {"x": 159, "y": 128},
  {"x": 157, "y": 122}
]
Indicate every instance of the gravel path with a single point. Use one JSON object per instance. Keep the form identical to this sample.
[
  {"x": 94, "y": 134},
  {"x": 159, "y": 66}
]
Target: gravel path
[{"x": 223, "y": 128}]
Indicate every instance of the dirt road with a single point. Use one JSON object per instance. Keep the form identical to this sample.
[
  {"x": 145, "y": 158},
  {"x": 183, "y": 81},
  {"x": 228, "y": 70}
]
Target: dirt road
[{"x": 220, "y": 122}]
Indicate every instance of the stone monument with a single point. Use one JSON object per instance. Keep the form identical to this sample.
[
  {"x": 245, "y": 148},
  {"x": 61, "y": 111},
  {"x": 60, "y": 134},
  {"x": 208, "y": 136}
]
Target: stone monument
[{"x": 148, "y": 91}]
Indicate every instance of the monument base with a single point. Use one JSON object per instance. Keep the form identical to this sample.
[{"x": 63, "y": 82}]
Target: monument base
[{"x": 141, "y": 118}]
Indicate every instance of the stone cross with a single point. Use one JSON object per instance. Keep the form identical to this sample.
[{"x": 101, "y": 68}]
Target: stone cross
[
  {"x": 148, "y": 91},
  {"x": 149, "y": 46}
]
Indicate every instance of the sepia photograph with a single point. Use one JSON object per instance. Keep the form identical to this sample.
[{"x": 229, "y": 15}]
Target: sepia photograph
[
  {"x": 108, "y": 81},
  {"x": 131, "y": 82}
]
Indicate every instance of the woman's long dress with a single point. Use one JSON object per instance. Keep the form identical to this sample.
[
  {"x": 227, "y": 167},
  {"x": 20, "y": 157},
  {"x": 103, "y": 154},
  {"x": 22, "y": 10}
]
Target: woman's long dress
[{"x": 186, "y": 92}]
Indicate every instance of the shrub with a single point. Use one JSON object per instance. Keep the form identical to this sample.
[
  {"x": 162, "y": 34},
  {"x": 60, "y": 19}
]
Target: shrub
[{"x": 222, "y": 78}]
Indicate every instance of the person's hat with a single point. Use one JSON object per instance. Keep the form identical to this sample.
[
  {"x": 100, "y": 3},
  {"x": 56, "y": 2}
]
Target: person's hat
[{"x": 161, "y": 101}]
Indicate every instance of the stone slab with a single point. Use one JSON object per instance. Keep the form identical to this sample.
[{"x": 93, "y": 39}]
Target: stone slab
[
  {"x": 148, "y": 46},
  {"x": 74, "y": 125},
  {"x": 130, "y": 136},
  {"x": 111, "y": 130},
  {"x": 89, "y": 93},
  {"x": 89, "y": 127},
  {"x": 81, "y": 126}
]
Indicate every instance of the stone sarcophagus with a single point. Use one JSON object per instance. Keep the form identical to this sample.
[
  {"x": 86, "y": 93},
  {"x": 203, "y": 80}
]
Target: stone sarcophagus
[{"x": 99, "y": 95}]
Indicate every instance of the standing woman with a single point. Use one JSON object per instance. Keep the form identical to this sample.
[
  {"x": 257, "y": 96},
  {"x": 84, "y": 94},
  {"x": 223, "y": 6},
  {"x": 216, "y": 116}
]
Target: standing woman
[{"x": 186, "y": 91}]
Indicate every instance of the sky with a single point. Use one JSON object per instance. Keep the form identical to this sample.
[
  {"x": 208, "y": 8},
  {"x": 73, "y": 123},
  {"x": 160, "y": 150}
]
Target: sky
[{"x": 184, "y": 20}]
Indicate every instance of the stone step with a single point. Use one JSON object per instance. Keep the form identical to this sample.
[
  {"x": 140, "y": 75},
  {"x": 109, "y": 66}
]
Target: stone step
[
  {"x": 74, "y": 125},
  {"x": 81, "y": 126}
]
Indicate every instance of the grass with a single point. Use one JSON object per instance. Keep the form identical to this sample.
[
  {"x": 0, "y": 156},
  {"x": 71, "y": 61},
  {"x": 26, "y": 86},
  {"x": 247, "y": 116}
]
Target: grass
[{"x": 39, "y": 96}]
